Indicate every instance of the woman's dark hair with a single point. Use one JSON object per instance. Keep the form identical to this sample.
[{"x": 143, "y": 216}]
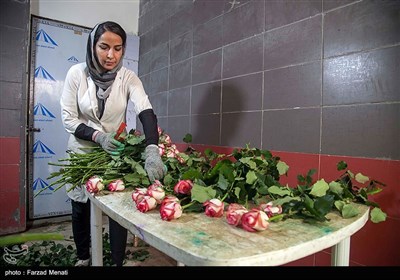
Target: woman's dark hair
[{"x": 112, "y": 27}]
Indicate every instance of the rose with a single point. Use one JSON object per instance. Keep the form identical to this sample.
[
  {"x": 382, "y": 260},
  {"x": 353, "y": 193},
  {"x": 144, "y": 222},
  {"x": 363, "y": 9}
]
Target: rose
[
  {"x": 255, "y": 220},
  {"x": 170, "y": 210},
  {"x": 94, "y": 184},
  {"x": 138, "y": 194},
  {"x": 156, "y": 190},
  {"x": 270, "y": 210},
  {"x": 161, "y": 148},
  {"x": 117, "y": 185},
  {"x": 183, "y": 187},
  {"x": 234, "y": 213},
  {"x": 146, "y": 204},
  {"x": 214, "y": 207},
  {"x": 168, "y": 199}
]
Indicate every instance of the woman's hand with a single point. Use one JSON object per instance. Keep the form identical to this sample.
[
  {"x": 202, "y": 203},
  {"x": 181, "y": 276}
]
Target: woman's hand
[
  {"x": 153, "y": 164},
  {"x": 108, "y": 143}
]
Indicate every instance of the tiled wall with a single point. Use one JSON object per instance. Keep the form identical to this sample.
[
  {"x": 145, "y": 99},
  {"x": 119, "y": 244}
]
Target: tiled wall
[
  {"x": 14, "y": 31},
  {"x": 316, "y": 81}
]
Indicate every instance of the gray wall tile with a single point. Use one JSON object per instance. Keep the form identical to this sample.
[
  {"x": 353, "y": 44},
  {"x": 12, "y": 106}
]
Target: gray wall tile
[
  {"x": 239, "y": 129},
  {"x": 181, "y": 22},
  {"x": 159, "y": 102},
  {"x": 368, "y": 130},
  {"x": 11, "y": 36},
  {"x": 160, "y": 34},
  {"x": 159, "y": 57},
  {"x": 205, "y": 129},
  {"x": 8, "y": 120},
  {"x": 362, "y": 26},
  {"x": 178, "y": 127},
  {"x": 292, "y": 130},
  {"x": 145, "y": 63},
  {"x": 181, "y": 48},
  {"x": 247, "y": 53},
  {"x": 363, "y": 77},
  {"x": 331, "y": 4},
  {"x": 145, "y": 42},
  {"x": 14, "y": 13},
  {"x": 159, "y": 81},
  {"x": 11, "y": 96},
  {"x": 206, "y": 98},
  {"x": 207, "y": 36},
  {"x": 205, "y": 10},
  {"x": 282, "y": 12},
  {"x": 11, "y": 67},
  {"x": 242, "y": 93},
  {"x": 243, "y": 22},
  {"x": 180, "y": 74},
  {"x": 179, "y": 102},
  {"x": 207, "y": 67},
  {"x": 296, "y": 43},
  {"x": 296, "y": 86},
  {"x": 145, "y": 23}
]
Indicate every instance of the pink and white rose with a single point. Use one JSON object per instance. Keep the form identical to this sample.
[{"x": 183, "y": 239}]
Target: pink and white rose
[
  {"x": 94, "y": 184},
  {"x": 156, "y": 190},
  {"x": 146, "y": 204},
  {"x": 183, "y": 187},
  {"x": 234, "y": 213},
  {"x": 117, "y": 185},
  {"x": 214, "y": 207},
  {"x": 170, "y": 210},
  {"x": 138, "y": 194},
  {"x": 270, "y": 209},
  {"x": 255, "y": 220}
]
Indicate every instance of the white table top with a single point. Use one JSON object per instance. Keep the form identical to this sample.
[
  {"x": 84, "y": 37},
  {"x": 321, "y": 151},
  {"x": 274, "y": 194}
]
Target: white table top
[{"x": 196, "y": 239}]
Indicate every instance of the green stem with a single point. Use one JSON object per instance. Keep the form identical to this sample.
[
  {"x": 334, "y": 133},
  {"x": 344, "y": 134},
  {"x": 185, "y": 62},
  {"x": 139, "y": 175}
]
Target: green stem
[{"x": 189, "y": 204}]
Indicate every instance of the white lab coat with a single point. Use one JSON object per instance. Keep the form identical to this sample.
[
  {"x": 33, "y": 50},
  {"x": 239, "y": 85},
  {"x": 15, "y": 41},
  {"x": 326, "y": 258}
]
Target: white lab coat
[{"x": 79, "y": 105}]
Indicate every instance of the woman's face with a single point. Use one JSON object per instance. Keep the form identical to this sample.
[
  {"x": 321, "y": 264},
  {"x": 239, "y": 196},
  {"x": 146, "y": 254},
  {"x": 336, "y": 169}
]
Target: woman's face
[{"x": 109, "y": 50}]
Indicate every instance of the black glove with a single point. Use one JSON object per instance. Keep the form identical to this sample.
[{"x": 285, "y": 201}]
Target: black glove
[
  {"x": 108, "y": 143},
  {"x": 154, "y": 166}
]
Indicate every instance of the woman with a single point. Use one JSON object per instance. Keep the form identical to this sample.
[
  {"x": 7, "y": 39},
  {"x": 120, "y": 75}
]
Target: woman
[{"x": 93, "y": 104}]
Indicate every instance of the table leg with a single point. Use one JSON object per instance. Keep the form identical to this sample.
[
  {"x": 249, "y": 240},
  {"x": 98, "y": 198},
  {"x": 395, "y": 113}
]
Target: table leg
[
  {"x": 341, "y": 253},
  {"x": 96, "y": 228}
]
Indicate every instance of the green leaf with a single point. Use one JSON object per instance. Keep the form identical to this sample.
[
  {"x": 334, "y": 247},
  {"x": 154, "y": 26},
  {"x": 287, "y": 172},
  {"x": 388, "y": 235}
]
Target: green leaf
[
  {"x": 251, "y": 177},
  {"x": 349, "y": 211},
  {"x": 201, "y": 193},
  {"x": 191, "y": 174},
  {"x": 282, "y": 167},
  {"x": 324, "y": 204},
  {"x": 336, "y": 187},
  {"x": 222, "y": 182},
  {"x": 339, "y": 205},
  {"x": 187, "y": 138},
  {"x": 341, "y": 165},
  {"x": 377, "y": 215},
  {"x": 286, "y": 199},
  {"x": 249, "y": 162},
  {"x": 279, "y": 191},
  {"x": 361, "y": 178},
  {"x": 319, "y": 188}
]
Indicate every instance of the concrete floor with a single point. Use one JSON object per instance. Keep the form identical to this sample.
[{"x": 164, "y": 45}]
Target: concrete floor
[{"x": 63, "y": 225}]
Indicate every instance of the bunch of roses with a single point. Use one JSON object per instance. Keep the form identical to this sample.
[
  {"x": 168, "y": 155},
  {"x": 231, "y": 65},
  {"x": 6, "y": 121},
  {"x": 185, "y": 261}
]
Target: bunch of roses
[
  {"x": 252, "y": 220},
  {"x": 256, "y": 219},
  {"x": 166, "y": 148},
  {"x": 147, "y": 199},
  {"x": 95, "y": 184}
]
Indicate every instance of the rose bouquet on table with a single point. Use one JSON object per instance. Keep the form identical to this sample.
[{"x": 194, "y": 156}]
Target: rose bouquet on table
[{"x": 243, "y": 186}]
